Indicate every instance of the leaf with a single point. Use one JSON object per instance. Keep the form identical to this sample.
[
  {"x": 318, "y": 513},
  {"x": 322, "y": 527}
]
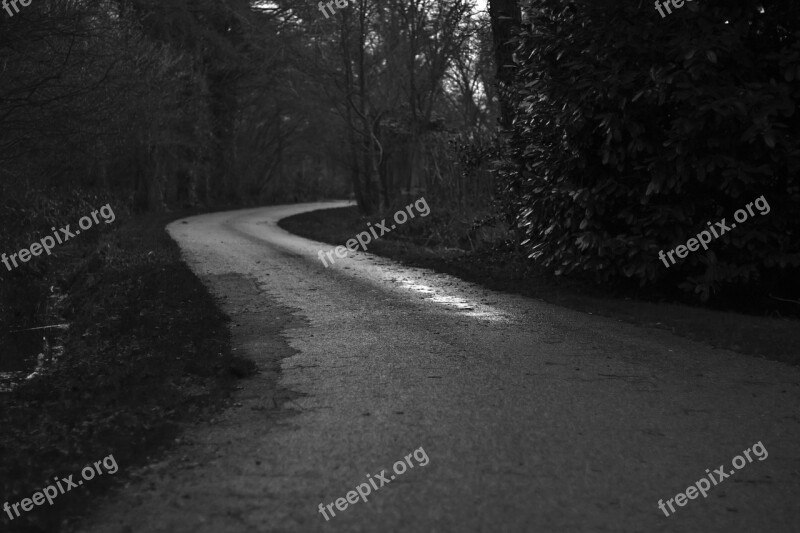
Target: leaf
[{"x": 769, "y": 138}]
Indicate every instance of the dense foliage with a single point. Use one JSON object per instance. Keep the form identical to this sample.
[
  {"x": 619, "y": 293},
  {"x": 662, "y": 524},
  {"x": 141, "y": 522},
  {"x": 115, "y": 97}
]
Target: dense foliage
[{"x": 633, "y": 131}]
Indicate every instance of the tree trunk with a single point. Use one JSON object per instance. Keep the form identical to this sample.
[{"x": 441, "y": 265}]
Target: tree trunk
[{"x": 506, "y": 19}]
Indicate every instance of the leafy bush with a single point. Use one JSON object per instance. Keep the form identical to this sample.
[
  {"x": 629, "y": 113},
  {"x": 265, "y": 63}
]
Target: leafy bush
[
  {"x": 633, "y": 131},
  {"x": 26, "y": 215}
]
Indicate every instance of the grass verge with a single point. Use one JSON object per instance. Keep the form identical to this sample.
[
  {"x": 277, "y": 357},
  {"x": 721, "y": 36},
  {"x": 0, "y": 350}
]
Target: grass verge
[
  {"x": 147, "y": 350},
  {"x": 501, "y": 268}
]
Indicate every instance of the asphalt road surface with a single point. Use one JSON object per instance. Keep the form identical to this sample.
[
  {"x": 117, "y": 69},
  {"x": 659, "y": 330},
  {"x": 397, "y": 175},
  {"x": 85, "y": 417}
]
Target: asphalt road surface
[{"x": 532, "y": 418}]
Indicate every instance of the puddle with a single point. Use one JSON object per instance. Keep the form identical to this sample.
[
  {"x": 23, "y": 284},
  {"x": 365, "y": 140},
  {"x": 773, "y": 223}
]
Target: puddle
[{"x": 467, "y": 307}]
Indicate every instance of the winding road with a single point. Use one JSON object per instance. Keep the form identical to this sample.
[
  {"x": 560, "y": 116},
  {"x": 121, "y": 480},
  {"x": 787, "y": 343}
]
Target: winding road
[{"x": 534, "y": 418}]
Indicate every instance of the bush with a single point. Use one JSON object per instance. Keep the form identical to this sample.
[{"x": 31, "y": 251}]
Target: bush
[
  {"x": 26, "y": 215},
  {"x": 633, "y": 131}
]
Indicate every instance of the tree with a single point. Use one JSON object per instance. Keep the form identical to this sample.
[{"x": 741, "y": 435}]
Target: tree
[{"x": 506, "y": 19}]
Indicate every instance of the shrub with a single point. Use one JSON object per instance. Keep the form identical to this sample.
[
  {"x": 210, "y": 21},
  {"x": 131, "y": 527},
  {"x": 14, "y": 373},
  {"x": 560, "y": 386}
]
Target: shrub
[{"x": 633, "y": 131}]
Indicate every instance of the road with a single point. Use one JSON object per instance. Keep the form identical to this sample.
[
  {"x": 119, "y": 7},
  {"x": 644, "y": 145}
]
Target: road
[{"x": 533, "y": 418}]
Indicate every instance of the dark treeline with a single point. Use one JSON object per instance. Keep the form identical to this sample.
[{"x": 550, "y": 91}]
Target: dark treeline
[
  {"x": 592, "y": 133},
  {"x": 189, "y": 102},
  {"x": 143, "y": 98}
]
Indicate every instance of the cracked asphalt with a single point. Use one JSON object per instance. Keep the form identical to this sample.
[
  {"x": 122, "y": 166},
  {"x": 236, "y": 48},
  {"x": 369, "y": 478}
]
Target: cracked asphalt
[{"x": 535, "y": 418}]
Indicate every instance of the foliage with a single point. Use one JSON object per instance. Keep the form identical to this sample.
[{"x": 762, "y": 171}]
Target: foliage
[
  {"x": 632, "y": 131},
  {"x": 25, "y": 217},
  {"x": 147, "y": 347},
  {"x": 384, "y": 79},
  {"x": 131, "y": 95}
]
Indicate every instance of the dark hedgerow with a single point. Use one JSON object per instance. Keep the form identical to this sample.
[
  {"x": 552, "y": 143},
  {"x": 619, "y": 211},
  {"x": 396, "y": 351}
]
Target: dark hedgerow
[{"x": 633, "y": 131}]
